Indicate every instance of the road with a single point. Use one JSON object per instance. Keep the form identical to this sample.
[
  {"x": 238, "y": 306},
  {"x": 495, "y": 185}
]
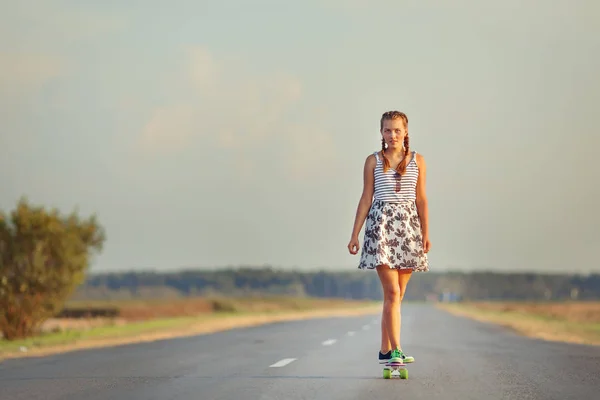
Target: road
[{"x": 329, "y": 359}]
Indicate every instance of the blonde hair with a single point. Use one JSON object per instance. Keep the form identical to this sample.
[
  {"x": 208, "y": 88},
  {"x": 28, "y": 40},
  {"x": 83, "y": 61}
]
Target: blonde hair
[{"x": 391, "y": 115}]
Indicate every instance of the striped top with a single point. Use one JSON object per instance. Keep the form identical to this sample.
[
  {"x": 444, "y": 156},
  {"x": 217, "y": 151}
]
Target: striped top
[{"x": 392, "y": 187}]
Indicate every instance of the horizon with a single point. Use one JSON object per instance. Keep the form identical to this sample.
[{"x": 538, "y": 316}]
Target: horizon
[
  {"x": 333, "y": 271},
  {"x": 236, "y": 134}
]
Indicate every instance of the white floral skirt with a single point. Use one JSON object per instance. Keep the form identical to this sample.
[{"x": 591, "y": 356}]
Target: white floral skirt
[{"x": 393, "y": 237}]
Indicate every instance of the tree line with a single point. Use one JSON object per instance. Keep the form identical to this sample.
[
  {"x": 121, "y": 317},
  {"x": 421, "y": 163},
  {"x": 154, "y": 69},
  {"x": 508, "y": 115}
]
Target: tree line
[{"x": 344, "y": 284}]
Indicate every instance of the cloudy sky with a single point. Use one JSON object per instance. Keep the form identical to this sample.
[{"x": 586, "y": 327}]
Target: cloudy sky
[{"x": 210, "y": 134}]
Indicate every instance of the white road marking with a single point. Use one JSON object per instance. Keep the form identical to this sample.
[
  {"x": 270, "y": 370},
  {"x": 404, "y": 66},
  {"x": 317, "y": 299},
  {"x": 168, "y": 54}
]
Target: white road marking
[
  {"x": 328, "y": 342},
  {"x": 282, "y": 363},
  {"x": 351, "y": 333},
  {"x": 366, "y": 327}
]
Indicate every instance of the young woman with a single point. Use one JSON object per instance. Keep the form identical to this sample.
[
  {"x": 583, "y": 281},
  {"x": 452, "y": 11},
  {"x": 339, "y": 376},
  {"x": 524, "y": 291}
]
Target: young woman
[{"x": 396, "y": 238}]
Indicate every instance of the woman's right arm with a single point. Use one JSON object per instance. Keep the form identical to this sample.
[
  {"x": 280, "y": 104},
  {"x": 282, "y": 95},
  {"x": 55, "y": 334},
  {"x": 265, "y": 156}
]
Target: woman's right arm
[{"x": 366, "y": 198}]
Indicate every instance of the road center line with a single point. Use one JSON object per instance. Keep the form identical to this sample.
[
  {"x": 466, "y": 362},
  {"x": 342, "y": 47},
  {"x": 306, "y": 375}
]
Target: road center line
[
  {"x": 328, "y": 342},
  {"x": 351, "y": 333},
  {"x": 282, "y": 363}
]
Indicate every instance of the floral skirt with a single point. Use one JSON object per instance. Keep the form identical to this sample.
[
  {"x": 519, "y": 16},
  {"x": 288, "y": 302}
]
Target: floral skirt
[{"x": 393, "y": 238}]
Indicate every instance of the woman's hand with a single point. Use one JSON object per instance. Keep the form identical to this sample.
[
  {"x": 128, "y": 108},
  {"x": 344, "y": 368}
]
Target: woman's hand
[
  {"x": 426, "y": 243},
  {"x": 353, "y": 246}
]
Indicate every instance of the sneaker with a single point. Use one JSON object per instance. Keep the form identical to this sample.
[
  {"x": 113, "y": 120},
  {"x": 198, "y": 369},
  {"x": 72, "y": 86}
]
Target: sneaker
[
  {"x": 384, "y": 358},
  {"x": 405, "y": 358},
  {"x": 396, "y": 356}
]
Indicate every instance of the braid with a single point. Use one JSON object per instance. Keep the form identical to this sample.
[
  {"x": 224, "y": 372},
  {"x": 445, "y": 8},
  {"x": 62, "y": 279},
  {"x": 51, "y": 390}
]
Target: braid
[
  {"x": 386, "y": 163},
  {"x": 404, "y": 163}
]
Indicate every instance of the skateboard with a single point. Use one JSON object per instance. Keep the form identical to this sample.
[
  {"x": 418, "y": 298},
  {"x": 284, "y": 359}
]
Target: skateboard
[{"x": 389, "y": 368}]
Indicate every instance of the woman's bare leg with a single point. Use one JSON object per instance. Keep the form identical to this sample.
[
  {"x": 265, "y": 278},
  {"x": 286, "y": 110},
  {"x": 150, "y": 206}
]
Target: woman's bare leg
[
  {"x": 385, "y": 339},
  {"x": 391, "y": 307},
  {"x": 403, "y": 278}
]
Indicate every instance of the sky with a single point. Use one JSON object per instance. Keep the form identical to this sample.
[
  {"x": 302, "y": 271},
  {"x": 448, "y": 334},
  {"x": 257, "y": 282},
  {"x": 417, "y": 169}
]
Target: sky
[{"x": 214, "y": 134}]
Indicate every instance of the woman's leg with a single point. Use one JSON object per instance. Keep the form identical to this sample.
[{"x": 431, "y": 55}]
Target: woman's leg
[
  {"x": 386, "y": 345},
  {"x": 403, "y": 278},
  {"x": 391, "y": 308}
]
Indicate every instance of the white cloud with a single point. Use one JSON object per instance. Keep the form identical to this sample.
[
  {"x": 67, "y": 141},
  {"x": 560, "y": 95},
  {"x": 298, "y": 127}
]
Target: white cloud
[
  {"x": 311, "y": 153},
  {"x": 202, "y": 69},
  {"x": 221, "y": 105},
  {"x": 169, "y": 129},
  {"x": 23, "y": 73},
  {"x": 36, "y": 39}
]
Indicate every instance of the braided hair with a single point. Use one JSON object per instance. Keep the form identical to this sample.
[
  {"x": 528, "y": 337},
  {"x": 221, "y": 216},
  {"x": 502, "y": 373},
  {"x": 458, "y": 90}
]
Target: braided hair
[{"x": 401, "y": 168}]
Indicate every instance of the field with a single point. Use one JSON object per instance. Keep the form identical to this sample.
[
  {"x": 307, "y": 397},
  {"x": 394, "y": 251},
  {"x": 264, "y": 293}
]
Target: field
[
  {"x": 140, "y": 321},
  {"x": 573, "y": 322}
]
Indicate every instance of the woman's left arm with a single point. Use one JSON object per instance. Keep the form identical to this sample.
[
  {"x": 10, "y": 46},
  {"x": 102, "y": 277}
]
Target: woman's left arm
[{"x": 421, "y": 202}]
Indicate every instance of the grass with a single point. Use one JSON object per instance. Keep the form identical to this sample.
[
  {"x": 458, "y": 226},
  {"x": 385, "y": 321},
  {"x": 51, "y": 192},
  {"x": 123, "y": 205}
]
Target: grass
[
  {"x": 141, "y": 321},
  {"x": 135, "y": 310},
  {"x": 571, "y": 322},
  {"x": 108, "y": 331}
]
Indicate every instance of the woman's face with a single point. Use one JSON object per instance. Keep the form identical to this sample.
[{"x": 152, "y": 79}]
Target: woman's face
[{"x": 394, "y": 132}]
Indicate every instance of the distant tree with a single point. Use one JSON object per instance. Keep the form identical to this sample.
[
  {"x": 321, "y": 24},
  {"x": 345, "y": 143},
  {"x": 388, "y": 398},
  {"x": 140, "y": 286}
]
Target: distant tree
[{"x": 43, "y": 257}]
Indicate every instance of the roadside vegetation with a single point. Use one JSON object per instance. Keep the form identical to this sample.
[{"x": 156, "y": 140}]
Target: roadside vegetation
[
  {"x": 87, "y": 324},
  {"x": 568, "y": 321}
]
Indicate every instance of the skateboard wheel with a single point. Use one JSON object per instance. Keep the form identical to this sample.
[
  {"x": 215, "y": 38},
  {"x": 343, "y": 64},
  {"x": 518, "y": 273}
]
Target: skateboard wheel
[
  {"x": 387, "y": 374},
  {"x": 403, "y": 374}
]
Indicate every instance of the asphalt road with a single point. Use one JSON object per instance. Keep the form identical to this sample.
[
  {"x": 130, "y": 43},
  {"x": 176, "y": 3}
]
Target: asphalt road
[{"x": 329, "y": 359}]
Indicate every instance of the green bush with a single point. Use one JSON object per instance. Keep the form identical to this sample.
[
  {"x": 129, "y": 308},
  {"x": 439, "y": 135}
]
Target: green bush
[{"x": 43, "y": 258}]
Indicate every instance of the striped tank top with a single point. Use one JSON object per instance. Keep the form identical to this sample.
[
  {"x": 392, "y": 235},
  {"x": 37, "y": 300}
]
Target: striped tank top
[{"x": 390, "y": 186}]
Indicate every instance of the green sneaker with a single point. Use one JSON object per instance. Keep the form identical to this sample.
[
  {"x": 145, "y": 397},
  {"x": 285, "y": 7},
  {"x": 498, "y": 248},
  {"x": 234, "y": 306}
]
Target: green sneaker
[
  {"x": 399, "y": 356},
  {"x": 396, "y": 356},
  {"x": 404, "y": 357}
]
